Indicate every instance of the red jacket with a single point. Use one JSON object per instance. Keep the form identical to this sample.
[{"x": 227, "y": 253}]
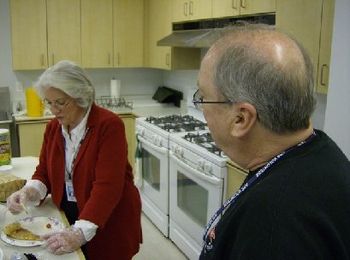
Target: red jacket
[{"x": 103, "y": 183}]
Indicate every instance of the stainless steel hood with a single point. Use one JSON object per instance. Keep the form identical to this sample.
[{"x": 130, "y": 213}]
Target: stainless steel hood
[
  {"x": 202, "y": 38},
  {"x": 202, "y": 34}
]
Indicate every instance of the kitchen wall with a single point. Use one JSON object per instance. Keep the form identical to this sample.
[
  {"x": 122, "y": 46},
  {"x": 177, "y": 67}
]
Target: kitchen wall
[{"x": 337, "y": 122}]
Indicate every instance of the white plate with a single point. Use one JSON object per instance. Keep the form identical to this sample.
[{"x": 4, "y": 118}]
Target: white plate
[{"x": 37, "y": 225}]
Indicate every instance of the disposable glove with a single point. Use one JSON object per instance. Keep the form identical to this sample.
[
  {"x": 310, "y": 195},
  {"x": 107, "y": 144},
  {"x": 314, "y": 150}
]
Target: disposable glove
[
  {"x": 65, "y": 241},
  {"x": 23, "y": 197}
]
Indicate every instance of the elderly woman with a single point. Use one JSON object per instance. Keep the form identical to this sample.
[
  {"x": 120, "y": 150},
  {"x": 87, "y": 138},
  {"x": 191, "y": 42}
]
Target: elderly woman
[{"x": 83, "y": 165}]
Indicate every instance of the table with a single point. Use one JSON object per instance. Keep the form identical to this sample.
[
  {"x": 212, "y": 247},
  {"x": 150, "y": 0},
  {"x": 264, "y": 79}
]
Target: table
[{"x": 24, "y": 167}]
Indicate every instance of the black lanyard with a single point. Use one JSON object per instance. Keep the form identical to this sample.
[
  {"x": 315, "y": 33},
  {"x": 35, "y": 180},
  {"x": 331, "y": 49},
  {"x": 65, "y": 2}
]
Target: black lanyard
[
  {"x": 248, "y": 184},
  {"x": 70, "y": 172}
]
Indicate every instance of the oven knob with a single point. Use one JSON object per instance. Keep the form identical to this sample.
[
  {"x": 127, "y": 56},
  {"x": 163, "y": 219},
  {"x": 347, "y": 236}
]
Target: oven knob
[
  {"x": 208, "y": 168},
  {"x": 200, "y": 165}
]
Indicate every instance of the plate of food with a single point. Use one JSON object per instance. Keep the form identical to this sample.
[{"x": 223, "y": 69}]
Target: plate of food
[{"x": 26, "y": 232}]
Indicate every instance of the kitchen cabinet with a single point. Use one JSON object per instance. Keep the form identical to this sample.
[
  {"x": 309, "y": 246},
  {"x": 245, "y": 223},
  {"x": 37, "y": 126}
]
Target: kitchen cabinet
[
  {"x": 158, "y": 25},
  {"x": 310, "y": 22},
  {"x": 129, "y": 123},
  {"x": 235, "y": 178},
  {"x": 226, "y": 8},
  {"x": 191, "y": 10},
  {"x": 28, "y": 34},
  {"x": 128, "y": 33},
  {"x": 44, "y": 32},
  {"x": 97, "y": 33},
  {"x": 31, "y": 135},
  {"x": 63, "y": 27}
]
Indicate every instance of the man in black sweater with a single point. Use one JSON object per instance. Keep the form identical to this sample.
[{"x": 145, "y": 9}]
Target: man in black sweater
[{"x": 256, "y": 91}]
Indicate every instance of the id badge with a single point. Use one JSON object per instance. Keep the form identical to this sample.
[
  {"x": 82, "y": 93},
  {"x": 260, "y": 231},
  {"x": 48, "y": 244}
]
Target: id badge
[{"x": 70, "y": 191}]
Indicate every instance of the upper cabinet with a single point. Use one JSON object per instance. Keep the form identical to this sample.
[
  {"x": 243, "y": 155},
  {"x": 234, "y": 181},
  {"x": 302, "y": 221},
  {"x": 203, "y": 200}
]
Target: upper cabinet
[
  {"x": 28, "y": 33},
  {"x": 43, "y": 32},
  {"x": 158, "y": 25},
  {"x": 97, "y": 33},
  {"x": 63, "y": 26},
  {"x": 128, "y": 33},
  {"x": 191, "y": 10},
  {"x": 227, "y": 8},
  {"x": 310, "y": 22}
]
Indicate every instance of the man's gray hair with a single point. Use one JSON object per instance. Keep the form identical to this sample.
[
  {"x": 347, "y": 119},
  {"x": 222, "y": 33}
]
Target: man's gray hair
[
  {"x": 283, "y": 97},
  {"x": 71, "y": 79}
]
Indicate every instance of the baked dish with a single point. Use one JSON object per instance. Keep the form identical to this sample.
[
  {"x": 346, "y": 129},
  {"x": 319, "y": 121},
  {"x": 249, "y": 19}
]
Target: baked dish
[
  {"x": 9, "y": 184},
  {"x": 16, "y": 231}
]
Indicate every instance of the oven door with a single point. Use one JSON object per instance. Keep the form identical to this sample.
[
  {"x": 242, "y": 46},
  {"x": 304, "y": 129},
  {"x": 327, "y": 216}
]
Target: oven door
[
  {"x": 154, "y": 174},
  {"x": 194, "y": 198}
]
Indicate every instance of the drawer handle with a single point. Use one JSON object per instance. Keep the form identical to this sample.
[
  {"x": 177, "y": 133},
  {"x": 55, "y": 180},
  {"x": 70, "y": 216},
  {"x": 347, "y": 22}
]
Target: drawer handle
[{"x": 324, "y": 74}]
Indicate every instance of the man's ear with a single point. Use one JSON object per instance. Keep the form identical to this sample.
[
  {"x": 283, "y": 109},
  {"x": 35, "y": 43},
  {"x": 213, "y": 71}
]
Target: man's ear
[{"x": 244, "y": 117}]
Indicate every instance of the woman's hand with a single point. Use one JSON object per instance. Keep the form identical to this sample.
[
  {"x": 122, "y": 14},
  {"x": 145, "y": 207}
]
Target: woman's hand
[
  {"x": 17, "y": 200},
  {"x": 65, "y": 241}
]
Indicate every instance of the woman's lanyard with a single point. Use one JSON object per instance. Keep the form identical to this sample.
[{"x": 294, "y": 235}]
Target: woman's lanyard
[
  {"x": 245, "y": 186},
  {"x": 74, "y": 156}
]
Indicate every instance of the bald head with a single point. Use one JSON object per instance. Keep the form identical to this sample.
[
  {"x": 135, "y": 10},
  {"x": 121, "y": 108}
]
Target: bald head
[{"x": 268, "y": 69}]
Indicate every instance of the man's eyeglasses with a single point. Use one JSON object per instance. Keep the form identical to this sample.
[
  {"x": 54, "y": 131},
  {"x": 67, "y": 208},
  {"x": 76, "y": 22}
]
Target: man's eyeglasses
[
  {"x": 197, "y": 100},
  {"x": 59, "y": 103}
]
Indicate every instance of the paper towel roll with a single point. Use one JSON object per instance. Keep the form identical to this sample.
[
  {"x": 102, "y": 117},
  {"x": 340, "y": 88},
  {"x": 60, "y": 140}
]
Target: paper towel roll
[{"x": 115, "y": 88}]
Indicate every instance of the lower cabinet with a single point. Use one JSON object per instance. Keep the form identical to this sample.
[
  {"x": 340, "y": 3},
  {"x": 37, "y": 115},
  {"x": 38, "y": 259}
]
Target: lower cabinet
[
  {"x": 30, "y": 135},
  {"x": 235, "y": 178},
  {"x": 129, "y": 122}
]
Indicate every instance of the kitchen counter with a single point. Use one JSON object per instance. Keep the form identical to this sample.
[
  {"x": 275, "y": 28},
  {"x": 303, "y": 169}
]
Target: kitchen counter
[{"x": 24, "y": 167}]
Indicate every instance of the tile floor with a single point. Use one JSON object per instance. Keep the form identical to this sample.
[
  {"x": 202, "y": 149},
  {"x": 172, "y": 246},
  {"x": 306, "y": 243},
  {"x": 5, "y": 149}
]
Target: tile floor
[{"x": 155, "y": 245}]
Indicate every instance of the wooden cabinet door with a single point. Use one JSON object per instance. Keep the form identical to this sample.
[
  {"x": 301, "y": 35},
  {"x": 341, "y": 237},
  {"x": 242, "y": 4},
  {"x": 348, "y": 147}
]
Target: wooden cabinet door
[
  {"x": 257, "y": 6},
  {"x": 180, "y": 10},
  {"x": 128, "y": 33},
  {"x": 303, "y": 20},
  {"x": 63, "y": 26},
  {"x": 31, "y": 136},
  {"x": 200, "y": 9},
  {"x": 129, "y": 123},
  {"x": 223, "y": 8},
  {"x": 322, "y": 81},
  {"x": 157, "y": 26},
  {"x": 235, "y": 178},
  {"x": 97, "y": 33},
  {"x": 28, "y": 32}
]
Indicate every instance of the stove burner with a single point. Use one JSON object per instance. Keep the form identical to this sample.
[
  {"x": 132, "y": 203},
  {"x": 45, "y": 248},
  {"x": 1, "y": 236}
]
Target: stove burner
[
  {"x": 204, "y": 140},
  {"x": 177, "y": 123}
]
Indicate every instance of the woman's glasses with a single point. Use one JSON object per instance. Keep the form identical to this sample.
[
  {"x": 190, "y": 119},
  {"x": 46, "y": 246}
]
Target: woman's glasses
[
  {"x": 197, "y": 100},
  {"x": 59, "y": 103}
]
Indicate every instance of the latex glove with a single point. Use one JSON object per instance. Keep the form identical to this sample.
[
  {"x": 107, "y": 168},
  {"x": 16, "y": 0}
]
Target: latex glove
[
  {"x": 24, "y": 196},
  {"x": 65, "y": 241}
]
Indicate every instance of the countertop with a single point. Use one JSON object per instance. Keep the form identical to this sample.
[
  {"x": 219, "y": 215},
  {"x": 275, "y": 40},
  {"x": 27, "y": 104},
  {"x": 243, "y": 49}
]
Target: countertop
[
  {"x": 24, "y": 167},
  {"x": 142, "y": 107}
]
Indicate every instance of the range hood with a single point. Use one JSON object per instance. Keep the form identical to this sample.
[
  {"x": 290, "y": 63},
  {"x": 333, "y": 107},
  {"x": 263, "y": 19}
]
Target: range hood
[{"x": 202, "y": 34}]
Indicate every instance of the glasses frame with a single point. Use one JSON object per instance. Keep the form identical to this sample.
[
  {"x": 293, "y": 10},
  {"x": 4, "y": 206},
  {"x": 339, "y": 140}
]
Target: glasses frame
[
  {"x": 57, "y": 104},
  {"x": 197, "y": 100}
]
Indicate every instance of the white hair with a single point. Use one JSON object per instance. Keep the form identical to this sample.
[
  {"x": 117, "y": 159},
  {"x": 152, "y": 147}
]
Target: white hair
[{"x": 69, "y": 78}]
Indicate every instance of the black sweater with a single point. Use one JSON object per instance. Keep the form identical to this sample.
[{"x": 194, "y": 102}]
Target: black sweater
[{"x": 300, "y": 209}]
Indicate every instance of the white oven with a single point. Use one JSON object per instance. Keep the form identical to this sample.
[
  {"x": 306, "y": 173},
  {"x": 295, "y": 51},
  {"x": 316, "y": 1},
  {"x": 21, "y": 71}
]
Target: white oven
[
  {"x": 197, "y": 181},
  {"x": 153, "y": 142}
]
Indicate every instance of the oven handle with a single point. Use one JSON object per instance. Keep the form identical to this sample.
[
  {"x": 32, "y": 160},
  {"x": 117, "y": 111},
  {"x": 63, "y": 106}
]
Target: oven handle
[
  {"x": 212, "y": 179},
  {"x": 157, "y": 148}
]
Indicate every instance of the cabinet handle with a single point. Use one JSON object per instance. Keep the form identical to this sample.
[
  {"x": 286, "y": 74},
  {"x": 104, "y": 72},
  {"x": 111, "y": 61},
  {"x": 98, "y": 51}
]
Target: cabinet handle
[
  {"x": 243, "y": 4},
  {"x": 234, "y": 4},
  {"x": 191, "y": 8},
  {"x": 185, "y": 8},
  {"x": 42, "y": 60},
  {"x": 167, "y": 59},
  {"x": 118, "y": 59},
  {"x": 324, "y": 75},
  {"x": 109, "y": 59}
]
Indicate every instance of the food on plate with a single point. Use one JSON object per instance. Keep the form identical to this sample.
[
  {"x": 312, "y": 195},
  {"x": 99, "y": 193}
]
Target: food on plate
[
  {"x": 16, "y": 231},
  {"x": 9, "y": 184}
]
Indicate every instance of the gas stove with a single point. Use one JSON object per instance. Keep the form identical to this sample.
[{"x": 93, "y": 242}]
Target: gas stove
[
  {"x": 204, "y": 140},
  {"x": 177, "y": 123}
]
